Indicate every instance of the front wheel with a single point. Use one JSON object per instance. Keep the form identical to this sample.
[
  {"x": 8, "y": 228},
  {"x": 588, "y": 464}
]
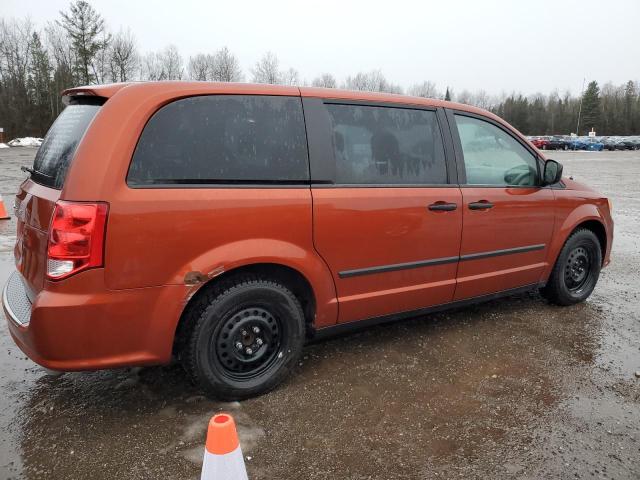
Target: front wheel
[
  {"x": 244, "y": 338},
  {"x": 577, "y": 269}
]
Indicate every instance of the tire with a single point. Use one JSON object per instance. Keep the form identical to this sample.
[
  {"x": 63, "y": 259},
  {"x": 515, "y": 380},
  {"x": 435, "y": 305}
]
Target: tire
[
  {"x": 577, "y": 269},
  {"x": 243, "y": 338}
]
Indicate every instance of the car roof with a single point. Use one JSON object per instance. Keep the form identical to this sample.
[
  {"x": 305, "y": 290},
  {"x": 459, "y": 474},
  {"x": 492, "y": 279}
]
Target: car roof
[
  {"x": 189, "y": 88},
  {"x": 183, "y": 89}
]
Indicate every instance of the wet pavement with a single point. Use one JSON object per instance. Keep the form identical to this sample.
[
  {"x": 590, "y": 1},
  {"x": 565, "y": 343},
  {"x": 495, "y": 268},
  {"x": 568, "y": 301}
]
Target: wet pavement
[{"x": 514, "y": 388}]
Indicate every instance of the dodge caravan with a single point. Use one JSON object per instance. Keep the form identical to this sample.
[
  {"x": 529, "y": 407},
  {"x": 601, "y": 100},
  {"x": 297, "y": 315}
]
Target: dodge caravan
[{"x": 224, "y": 225}]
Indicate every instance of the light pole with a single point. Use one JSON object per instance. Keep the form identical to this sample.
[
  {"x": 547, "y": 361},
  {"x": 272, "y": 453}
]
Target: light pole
[{"x": 580, "y": 108}]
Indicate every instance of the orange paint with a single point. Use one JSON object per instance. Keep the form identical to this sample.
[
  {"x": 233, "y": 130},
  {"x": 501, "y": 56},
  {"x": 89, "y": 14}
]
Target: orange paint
[{"x": 127, "y": 312}]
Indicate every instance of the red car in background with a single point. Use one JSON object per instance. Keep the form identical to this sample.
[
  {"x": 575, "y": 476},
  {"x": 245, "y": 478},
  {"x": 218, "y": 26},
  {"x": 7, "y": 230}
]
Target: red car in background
[{"x": 540, "y": 142}]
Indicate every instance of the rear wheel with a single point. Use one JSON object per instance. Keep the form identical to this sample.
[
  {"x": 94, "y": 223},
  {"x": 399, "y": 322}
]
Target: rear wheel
[
  {"x": 576, "y": 271},
  {"x": 244, "y": 338}
]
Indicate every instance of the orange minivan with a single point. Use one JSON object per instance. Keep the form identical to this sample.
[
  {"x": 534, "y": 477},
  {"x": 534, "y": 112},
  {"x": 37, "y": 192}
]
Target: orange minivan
[{"x": 226, "y": 224}]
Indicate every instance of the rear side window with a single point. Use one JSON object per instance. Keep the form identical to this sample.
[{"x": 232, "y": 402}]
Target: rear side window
[
  {"x": 384, "y": 145},
  {"x": 59, "y": 145},
  {"x": 223, "y": 139}
]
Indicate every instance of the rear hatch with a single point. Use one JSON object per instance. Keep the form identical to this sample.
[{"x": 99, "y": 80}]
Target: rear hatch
[{"x": 38, "y": 194}]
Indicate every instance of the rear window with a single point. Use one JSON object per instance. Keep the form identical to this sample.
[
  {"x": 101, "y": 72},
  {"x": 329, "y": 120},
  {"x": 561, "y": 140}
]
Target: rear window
[
  {"x": 54, "y": 156},
  {"x": 223, "y": 139}
]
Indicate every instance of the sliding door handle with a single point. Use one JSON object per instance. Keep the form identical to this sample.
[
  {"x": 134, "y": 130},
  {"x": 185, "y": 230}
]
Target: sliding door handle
[
  {"x": 442, "y": 207},
  {"x": 481, "y": 205}
]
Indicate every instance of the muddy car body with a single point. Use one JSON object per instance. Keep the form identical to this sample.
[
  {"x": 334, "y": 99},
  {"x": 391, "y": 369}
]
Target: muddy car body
[{"x": 225, "y": 224}]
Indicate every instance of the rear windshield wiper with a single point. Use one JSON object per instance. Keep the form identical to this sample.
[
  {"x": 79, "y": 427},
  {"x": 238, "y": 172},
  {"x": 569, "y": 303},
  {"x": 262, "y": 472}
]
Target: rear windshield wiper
[{"x": 32, "y": 171}]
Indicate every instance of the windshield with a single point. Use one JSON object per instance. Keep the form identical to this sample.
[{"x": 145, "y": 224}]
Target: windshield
[{"x": 54, "y": 156}]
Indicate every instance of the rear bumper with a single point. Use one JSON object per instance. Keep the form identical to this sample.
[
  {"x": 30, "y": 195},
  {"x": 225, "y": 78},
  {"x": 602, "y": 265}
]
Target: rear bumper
[{"x": 78, "y": 324}]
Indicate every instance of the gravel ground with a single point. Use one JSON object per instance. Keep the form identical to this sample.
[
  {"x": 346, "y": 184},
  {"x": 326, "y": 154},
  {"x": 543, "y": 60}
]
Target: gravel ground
[{"x": 514, "y": 388}]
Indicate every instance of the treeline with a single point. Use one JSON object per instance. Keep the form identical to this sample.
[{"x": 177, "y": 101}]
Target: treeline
[{"x": 36, "y": 64}]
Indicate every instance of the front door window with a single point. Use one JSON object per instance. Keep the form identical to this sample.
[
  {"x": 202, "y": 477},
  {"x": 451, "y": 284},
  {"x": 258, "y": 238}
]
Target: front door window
[{"x": 493, "y": 157}]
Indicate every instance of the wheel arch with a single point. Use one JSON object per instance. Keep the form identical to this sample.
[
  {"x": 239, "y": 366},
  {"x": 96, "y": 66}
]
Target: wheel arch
[
  {"x": 286, "y": 275},
  {"x": 597, "y": 227}
]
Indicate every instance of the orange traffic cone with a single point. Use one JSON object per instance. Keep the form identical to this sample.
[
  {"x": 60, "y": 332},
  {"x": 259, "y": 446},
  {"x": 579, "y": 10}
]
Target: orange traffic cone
[
  {"x": 3, "y": 211},
  {"x": 223, "y": 458}
]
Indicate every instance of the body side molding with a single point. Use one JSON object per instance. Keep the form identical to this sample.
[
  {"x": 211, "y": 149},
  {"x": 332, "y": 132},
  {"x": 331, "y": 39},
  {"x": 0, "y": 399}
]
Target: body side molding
[{"x": 438, "y": 261}]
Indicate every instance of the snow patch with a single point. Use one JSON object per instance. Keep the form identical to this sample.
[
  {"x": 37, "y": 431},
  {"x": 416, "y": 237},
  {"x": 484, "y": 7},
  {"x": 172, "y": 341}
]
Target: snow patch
[
  {"x": 4, "y": 145},
  {"x": 25, "y": 142}
]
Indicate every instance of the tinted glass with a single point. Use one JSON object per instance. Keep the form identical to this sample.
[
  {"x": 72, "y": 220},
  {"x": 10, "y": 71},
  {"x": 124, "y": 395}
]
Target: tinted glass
[
  {"x": 223, "y": 138},
  {"x": 492, "y": 156},
  {"x": 380, "y": 145},
  {"x": 54, "y": 156}
]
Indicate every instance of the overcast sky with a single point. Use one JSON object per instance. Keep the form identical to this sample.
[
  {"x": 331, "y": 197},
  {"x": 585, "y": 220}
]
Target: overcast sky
[{"x": 495, "y": 45}]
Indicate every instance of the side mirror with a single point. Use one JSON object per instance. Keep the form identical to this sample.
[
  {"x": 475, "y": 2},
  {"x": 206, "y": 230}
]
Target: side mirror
[{"x": 552, "y": 172}]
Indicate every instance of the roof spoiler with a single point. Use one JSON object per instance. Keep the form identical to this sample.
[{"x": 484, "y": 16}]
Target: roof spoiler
[{"x": 104, "y": 91}]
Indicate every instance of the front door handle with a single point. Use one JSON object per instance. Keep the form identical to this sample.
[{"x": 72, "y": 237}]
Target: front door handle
[
  {"x": 442, "y": 207},
  {"x": 481, "y": 205}
]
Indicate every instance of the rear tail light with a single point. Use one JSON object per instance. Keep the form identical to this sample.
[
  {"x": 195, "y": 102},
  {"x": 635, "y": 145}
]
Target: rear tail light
[{"x": 76, "y": 238}]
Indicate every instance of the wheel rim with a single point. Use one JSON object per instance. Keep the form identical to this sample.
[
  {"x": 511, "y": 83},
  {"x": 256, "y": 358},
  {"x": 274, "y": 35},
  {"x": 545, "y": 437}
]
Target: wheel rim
[
  {"x": 577, "y": 271},
  {"x": 247, "y": 343}
]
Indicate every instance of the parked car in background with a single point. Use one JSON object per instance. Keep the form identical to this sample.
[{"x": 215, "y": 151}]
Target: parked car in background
[
  {"x": 594, "y": 144},
  {"x": 577, "y": 143},
  {"x": 630, "y": 143},
  {"x": 586, "y": 143},
  {"x": 557, "y": 142},
  {"x": 540, "y": 142},
  {"x": 609, "y": 143},
  {"x": 224, "y": 225}
]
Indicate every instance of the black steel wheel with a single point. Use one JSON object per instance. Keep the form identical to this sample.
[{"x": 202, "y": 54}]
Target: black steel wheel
[
  {"x": 247, "y": 343},
  {"x": 576, "y": 271},
  {"x": 243, "y": 337}
]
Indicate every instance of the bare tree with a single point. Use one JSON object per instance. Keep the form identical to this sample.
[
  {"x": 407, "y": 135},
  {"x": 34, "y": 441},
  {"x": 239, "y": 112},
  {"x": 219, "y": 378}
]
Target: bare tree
[
  {"x": 267, "y": 70},
  {"x": 464, "y": 97},
  {"x": 151, "y": 68},
  {"x": 123, "y": 57},
  {"x": 226, "y": 67},
  {"x": 325, "y": 80},
  {"x": 163, "y": 65},
  {"x": 360, "y": 81},
  {"x": 201, "y": 67},
  {"x": 172, "y": 63},
  {"x": 221, "y": 66},
  {"x": 373, "y": 81},
  {"x": 482, "y": 99},
  {"x": 425, "y": 89},
  {"x": 289, "y": 77},
  {"x": 63, "y": 57},
  {"x": 15, "y": 53},
  {"x": 15, "y": 47}
]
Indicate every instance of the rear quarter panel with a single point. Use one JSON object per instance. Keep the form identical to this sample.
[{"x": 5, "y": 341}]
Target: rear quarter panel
[{"x": 173, "y": 236}]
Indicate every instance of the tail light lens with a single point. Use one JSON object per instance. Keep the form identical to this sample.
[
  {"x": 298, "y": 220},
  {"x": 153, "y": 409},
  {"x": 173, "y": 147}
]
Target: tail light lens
[{"x": 76, "y": 238}]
